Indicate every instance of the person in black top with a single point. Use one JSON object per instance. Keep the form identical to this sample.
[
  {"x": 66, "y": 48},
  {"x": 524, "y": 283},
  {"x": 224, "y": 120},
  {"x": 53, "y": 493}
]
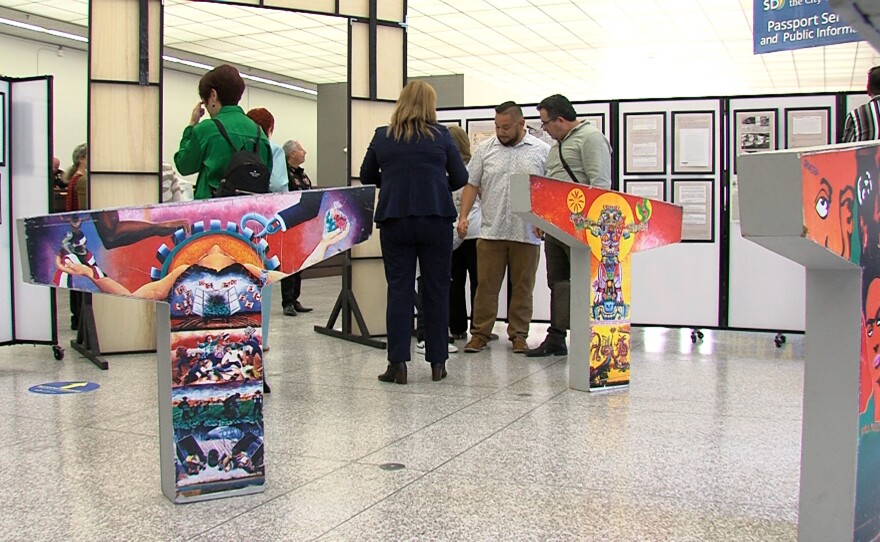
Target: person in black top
[{"x": 297, "y": 179}]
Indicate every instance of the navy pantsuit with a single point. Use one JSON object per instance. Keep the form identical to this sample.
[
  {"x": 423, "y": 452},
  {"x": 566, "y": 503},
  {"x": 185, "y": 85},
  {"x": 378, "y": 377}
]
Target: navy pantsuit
[
  {"x": 428, "y": 240},
  {"x": 414, "y": 214}
]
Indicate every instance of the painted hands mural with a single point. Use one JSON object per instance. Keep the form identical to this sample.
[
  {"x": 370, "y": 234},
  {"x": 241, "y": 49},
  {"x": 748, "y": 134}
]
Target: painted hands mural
[{"x": 209, "y": 261}]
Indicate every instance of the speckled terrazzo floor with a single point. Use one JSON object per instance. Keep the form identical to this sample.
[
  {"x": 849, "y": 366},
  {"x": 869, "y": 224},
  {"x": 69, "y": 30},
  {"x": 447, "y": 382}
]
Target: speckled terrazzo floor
[{"x": 703, "y": 446}]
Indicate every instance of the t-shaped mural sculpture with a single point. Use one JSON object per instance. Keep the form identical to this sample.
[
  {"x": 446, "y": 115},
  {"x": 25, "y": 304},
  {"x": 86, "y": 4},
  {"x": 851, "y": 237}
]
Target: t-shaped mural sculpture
[
  {"x": 603, "y": 229},
  {"x": 205, "y": 263},
  {"x": 821, "y": 208}
]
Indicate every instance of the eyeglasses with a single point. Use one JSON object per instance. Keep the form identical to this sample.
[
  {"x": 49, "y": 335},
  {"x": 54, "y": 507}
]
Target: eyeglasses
[{"x": 544, "y": 123}]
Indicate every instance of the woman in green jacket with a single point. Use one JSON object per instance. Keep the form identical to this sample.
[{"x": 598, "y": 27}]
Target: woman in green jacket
[{"x": 203, "y": 149}]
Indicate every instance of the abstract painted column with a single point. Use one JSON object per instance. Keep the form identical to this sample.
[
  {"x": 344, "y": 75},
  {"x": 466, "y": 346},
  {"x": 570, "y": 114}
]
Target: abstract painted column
[
  {"x": 205, "y": 263},
  {"x": 603, "y": 229},
  {"x": 821, "y": 208}
]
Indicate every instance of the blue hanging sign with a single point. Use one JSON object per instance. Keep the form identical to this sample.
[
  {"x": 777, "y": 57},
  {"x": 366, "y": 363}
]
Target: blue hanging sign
[
  {"x": 64, "y": 388},
  {"x": 782, "y": 25}
]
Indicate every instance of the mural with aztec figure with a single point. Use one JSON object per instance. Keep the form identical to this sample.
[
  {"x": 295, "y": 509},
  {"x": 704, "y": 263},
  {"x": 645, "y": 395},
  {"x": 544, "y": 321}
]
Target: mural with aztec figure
[
  {"x": 209, "y": 261},
  {"x": 841, "y": 202},
  {"x": 613, "y": 226}
]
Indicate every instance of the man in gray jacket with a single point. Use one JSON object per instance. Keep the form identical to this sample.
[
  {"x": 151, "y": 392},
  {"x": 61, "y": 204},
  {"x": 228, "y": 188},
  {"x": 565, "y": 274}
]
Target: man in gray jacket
[{"x": 581, "y": 154}]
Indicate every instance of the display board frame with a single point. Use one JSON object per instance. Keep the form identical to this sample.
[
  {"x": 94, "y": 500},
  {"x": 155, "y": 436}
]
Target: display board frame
[
  {"x": 646, "y": 184},
  {"x": 698, "y": 118},
  {"x": 793, "y": 113},
  {"x": 696, "y": 233},
  {"x": 659, "y": 140},
  {"x": 479, "y": 124},
  {"x": 772, "y": 133}
]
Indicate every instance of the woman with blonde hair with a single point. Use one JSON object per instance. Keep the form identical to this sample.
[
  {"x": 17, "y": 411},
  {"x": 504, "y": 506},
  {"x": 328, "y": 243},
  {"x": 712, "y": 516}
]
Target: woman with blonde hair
[{"x": 416, "y": 164}]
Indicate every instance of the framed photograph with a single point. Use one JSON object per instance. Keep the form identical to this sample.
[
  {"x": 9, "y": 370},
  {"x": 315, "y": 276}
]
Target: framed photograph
[
  {"x": 807, "y": 127},
  {"x": 2, "y": 129},
  {"x": 480, "y": 130},
  {"x": 693, "y": 142},
  {"x": 644, "y": 143},
  {"x": 451, "y": 123},
  {"x": 646, "y": 188},
  {"x": 755, "y": 131},
  {"x": 697, "y": 199},
  {"x": 533, "y": 127}
]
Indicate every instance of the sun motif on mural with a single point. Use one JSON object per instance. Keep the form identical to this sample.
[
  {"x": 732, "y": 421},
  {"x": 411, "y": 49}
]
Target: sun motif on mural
[{"x": 576, "y": 200}]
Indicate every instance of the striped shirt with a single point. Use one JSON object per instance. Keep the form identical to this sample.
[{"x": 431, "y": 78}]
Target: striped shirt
[{"x": 863, "y": 122}]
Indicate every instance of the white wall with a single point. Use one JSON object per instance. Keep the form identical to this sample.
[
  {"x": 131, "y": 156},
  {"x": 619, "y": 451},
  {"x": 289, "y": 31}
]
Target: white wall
[{"x": 295, "y": 118}]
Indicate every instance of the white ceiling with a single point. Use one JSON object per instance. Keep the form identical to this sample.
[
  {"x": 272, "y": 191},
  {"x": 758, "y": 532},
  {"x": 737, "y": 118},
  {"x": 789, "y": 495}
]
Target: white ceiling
[{"x": 586, "y": 49}]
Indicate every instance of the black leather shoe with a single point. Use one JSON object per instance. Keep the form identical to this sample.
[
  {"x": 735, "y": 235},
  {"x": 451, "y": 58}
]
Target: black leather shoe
[
  {"x": 289, "y": 311},
  {"x": 548, "y": 348},
  {"x": 299, "y": 307},
  {"x": 396, "y": 372},
  {"x": 438, "y": 371},
  {"x": 266, "y": 388}
]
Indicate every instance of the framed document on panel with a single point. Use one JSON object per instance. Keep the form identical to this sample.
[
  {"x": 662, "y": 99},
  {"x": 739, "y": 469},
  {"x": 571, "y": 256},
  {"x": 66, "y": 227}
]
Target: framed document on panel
[
  {"x": 480, "y": 130},
  {"x": 696, "y": 197},
  {"x": 646, "y": 188},
  {"x": 755, "y": 131},
  {"x": 807, "y": 127},
  {"x": 644, "y": 141},
  {"x": 693, "y": 142},
  {"x": 449, "y": 123}
]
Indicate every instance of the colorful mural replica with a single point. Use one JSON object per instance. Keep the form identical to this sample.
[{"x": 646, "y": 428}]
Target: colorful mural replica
[
  {"x": 822, "y": 209},
  {"x": 205, "y": 263},
  {"x": 604, "y": 229}
]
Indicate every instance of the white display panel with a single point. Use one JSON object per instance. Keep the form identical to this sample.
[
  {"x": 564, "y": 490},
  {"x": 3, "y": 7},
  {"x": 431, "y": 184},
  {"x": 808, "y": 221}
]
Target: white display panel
[
  {"x": 30, "y": 164},
  {"x": 766, "y": 291},
  {"x": 676, "y": 285}
]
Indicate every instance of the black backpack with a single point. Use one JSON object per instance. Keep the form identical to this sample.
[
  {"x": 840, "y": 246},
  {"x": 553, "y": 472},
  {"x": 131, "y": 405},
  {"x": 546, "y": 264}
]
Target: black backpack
[{"x": 246, "y": 173}]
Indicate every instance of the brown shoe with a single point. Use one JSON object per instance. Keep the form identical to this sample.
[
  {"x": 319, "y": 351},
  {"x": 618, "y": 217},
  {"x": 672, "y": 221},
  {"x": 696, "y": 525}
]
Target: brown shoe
[
  {"x": 475, "y": 344},
  {"x": 519, "y": 345}
]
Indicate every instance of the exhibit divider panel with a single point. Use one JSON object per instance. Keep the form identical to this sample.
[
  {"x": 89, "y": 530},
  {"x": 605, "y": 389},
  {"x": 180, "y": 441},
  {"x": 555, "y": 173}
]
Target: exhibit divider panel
[
  {"x": 765, "y": 290},
  {"x": 26, "y": 191},
  {"x": 207, "y": 263},
  {"x": 124, "y": 137},
  {"x": 479, "y": 123},
  {"x": 671, "y": 150}
]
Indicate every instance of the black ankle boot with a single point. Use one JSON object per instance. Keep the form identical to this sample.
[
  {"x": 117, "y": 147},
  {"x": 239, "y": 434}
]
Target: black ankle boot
[
  {"x": 396, "y": 372},
  {"x": 438, "y": 371}
]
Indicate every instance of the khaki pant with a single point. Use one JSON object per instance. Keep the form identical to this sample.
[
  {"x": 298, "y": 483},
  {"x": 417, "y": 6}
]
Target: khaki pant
[{"x": 493, "y": 259}]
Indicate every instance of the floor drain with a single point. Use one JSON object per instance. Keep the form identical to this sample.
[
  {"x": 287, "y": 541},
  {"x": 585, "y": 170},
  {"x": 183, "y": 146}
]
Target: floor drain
[{"x": 392, "y": 466}]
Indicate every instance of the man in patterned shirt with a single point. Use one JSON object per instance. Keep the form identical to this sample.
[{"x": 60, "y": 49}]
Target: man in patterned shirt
[
  {"x": 862, "y": 122},
  {"x": 506, "y": 241}
]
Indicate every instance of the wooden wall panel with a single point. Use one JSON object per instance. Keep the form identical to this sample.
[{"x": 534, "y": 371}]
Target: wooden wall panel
[
  {"x": 370, "y": 289},
  {"x": 366, "y": 116},
  {"x": 120, "y": 138},
  {"x": 391, "y": 10},
  {"x": 389, "y": 57},
  {"x": 321, "y": 6},
  {"x": 360, "y": 60},
  {"x": 356, "y": 8}
]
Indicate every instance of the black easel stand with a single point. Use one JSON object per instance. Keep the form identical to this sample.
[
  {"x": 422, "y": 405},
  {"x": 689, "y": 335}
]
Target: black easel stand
[
  {"x": 346, "y": 305},
  {"x": 86, "y": 342}
]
